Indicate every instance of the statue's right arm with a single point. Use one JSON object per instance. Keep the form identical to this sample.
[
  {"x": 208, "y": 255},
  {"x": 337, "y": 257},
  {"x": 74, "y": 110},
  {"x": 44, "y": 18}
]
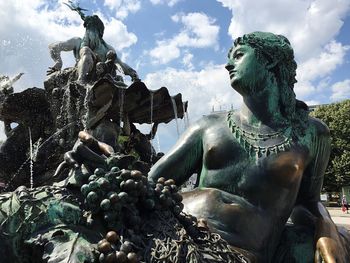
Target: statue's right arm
[
  {"x": 56, "y": 48},
  {"x": 184, "y": 159},
  {"x": 127, "y": 69},
  {"x": 309, "y": 210}
]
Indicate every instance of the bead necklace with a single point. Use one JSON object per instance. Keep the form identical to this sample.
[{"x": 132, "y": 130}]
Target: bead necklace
[{"x": 253, "y": 143}]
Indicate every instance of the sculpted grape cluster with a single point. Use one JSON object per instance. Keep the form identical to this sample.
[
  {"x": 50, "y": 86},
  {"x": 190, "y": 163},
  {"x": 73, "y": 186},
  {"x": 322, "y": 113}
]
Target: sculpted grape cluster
[{"x": 123, "y": 198}]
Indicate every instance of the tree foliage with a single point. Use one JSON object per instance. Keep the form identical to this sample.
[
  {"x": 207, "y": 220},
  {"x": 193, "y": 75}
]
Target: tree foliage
[{"x": 337, "y": 118}]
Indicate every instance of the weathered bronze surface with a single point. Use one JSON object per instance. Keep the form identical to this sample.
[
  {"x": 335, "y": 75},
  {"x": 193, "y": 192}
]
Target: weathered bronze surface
[{"x": 257, "y": 164}]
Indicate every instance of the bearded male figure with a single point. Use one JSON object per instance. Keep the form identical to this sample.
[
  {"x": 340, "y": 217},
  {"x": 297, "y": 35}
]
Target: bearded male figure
[
  {"x": 87, "y": 51},
  {"x": 261, "y": 164}
]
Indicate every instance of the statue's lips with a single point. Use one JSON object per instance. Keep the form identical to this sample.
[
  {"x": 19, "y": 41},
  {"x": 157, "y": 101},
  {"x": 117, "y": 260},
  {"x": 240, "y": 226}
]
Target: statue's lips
[{"x": 232, "y": 73}]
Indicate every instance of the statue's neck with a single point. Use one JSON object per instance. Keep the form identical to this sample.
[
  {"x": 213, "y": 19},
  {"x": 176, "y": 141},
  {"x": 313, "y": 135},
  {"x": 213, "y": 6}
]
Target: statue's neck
[{"x": 263, "y": 109}]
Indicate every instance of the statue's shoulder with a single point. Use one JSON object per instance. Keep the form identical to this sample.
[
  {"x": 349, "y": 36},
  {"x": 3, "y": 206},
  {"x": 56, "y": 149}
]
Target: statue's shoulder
[
  {"x": 318, "y": 127},
  {"x": 206, "y": 122},
  {"x": 213, "y": 119}
]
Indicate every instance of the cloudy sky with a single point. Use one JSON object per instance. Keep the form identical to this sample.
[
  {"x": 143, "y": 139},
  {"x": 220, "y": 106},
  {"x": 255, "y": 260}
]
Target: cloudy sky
[{"x": 182, "y": 44}]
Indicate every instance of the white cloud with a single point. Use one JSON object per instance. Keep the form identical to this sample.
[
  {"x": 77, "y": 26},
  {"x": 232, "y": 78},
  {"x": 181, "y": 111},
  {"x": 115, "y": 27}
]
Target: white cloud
[
  {"x": 199, "y": 31},
  {"x": 310, "y": 25},
  {"x": 116, "y": 34},
  {"x": 187, "y": 60},
  {"x": 312, "y": 102},
  {"x": 341, "y": 90},
  {"x": 165, "y": 52},
  {"x": 327, "y": 61},
  {"x": 123, "y": 7},
  {"x": 319, "y": 66},
  {"x": 168, "y": 2}
]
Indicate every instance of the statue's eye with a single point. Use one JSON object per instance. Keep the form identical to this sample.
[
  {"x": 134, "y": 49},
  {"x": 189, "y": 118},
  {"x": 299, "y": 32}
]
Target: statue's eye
[{"x": 238, "y": 55}]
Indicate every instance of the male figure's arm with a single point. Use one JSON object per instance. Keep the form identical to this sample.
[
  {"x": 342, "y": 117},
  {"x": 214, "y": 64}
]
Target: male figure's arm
[
  {"x": 184, "y": 159},
  {"x": 328, "y": 243},
  {"x": 56, "y": 48},
  {"x": 127, "y": 69}
]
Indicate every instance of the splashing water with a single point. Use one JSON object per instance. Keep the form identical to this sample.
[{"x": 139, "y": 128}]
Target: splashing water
[
  {"x": 36, "y": 150},
  {"x": 86, "y": 107},
  {"x": 31, "y": 158},
  {"x": 175, "y": 114},
  {"x": 65, "y": 109},
  {"x": 121, "y": 104},
  {"x": 151, "y": 109},
  {"x": 151, "y": 98},
  {"x": 65, "y": 102},
  {"x": 36, "y": 146},
  {"x": 185, "y": 117},
  {"x": 158, "y": 143}
]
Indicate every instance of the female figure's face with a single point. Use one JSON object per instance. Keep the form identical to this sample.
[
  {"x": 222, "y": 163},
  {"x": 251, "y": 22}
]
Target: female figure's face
[{"x": 246, "y": 71}]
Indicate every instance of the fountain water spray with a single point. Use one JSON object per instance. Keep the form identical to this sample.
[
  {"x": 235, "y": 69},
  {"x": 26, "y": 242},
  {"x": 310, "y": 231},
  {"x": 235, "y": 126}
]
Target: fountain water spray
[
  {"x": 31, "y": 158},
  {"x": 158, "y": 143},
  {"x": 185, "y": 116},
  {"x": 121, "y": 104},
  {"x": 37, "y": 149},
  {"x": 65, "y": 109},
  {"x": 173, "y": 102},
  {"x": 86, "y": 108},
  {"x": 151, "y": 98},
  {"x": 187, "y": 119}
]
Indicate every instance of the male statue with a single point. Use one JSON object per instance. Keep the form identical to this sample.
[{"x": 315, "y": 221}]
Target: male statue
[
  {"x": 257, "y": 164},
  {"x": 87, "y": 51}
]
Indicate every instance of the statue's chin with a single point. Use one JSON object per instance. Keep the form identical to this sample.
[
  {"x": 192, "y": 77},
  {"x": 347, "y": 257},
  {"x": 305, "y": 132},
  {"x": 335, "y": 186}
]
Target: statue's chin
[{"x": 240, "y": 89}]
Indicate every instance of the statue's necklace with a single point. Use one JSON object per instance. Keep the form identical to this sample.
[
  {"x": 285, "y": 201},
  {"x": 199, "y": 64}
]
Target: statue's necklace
[{"x": 257, "y": 144}]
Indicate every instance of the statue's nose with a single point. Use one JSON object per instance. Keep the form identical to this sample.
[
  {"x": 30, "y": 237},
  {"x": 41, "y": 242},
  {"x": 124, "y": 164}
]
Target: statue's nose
[{"x": 229, "y": 66}]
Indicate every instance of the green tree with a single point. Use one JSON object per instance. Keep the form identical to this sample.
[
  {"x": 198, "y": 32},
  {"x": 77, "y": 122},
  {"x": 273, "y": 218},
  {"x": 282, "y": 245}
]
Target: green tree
[{"x": 337, "y": 118}]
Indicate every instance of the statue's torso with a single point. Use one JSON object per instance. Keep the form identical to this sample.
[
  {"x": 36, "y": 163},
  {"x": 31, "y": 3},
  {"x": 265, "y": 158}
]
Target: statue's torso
[
  {"x": 96, "y": 44},
  {"x": 248, "y": 200},
  {"x": 227, "y": 164}
]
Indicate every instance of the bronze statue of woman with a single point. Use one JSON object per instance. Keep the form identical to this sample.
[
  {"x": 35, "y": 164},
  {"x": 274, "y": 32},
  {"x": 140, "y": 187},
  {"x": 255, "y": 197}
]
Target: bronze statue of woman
[{"x": 258, "y": 164}]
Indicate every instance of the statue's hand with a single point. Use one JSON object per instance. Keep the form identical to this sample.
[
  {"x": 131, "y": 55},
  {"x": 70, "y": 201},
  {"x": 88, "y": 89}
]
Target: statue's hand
[
  {"x": 330, "y": 250},
  {"x": 87, "y": 150},
  {"x": 136, "y": 79},
  {"x": 54, "y": 68},
  {"x": 134, "y": 76}
]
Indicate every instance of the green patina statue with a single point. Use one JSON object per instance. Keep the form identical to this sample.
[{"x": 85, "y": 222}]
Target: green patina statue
[
  {"x": 88, "y": 51},
  {"x": 261, "y": 164}
]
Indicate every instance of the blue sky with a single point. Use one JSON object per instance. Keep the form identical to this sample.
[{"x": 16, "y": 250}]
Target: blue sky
[{"x": 182, "y": 44}]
